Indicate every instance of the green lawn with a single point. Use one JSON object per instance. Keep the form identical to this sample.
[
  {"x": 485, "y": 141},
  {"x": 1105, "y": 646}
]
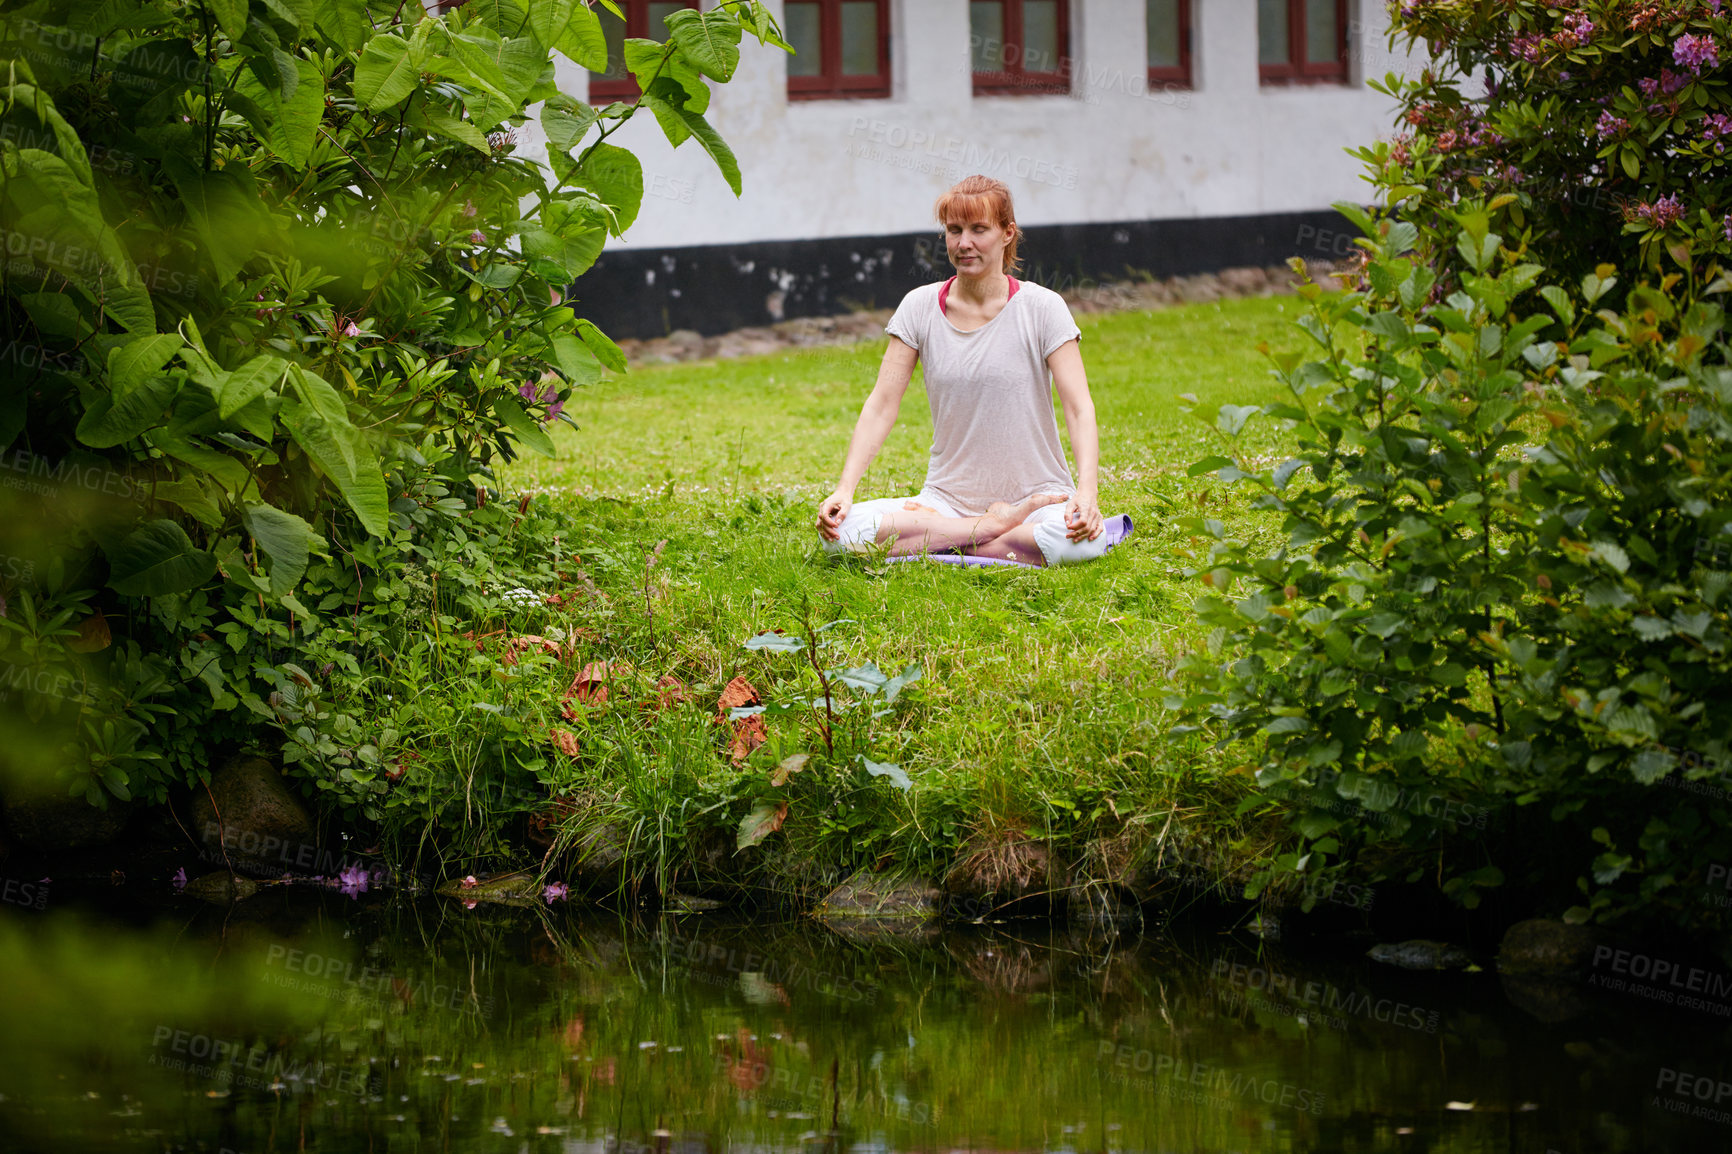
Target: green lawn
[{"x": 1038, "y": 713}]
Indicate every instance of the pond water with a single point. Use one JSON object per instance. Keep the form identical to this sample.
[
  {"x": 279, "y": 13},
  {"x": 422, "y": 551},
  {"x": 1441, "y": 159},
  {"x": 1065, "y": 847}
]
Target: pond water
[{"x": 305, "y": 1021}]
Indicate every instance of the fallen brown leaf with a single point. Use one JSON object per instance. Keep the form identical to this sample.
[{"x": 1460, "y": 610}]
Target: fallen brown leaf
[
  {"x": 749, "y": 733},
  {"x": 737, "y": 694},
  {"x": 525, "y": 643},
  {"x": 564, "y": 741},
  {"x": 670, "y": 691}
]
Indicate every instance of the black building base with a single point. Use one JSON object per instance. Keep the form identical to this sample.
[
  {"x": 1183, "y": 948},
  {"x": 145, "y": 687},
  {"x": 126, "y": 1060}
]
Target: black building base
[{"x": 716, "y": 288}]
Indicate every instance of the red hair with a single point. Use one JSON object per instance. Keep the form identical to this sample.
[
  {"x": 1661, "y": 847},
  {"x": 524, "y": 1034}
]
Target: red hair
[{"x": 982, "y": 198}]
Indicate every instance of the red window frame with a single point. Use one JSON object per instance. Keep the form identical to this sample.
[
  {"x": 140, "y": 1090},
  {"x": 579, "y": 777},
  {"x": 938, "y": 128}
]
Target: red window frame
[
  {"x": 1179, "y": 76},
  {"x": 1296, "y": 69},
  {"x": 830, "y": 83},
  {"x": 605, "y": 88},
  {"x": 1015, "y": 80}
]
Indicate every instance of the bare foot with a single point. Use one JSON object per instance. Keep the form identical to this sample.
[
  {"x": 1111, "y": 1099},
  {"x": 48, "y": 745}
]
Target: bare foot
[{"x": 1014, "y": 515}]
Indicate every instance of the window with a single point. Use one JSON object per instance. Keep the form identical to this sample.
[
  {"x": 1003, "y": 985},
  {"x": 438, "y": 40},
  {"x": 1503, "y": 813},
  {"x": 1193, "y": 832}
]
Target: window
[
  {"x": 643, "y": 21},
  {"x": 1020, "y": 45},
  {"x": 841, "y": 48},
  {"x": 1302, "y": 41},
  {"x": 1169, "y": 32}
]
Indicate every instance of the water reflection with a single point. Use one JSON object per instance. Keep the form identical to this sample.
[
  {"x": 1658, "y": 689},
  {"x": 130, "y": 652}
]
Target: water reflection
[{"x": 300, "y": 1021}]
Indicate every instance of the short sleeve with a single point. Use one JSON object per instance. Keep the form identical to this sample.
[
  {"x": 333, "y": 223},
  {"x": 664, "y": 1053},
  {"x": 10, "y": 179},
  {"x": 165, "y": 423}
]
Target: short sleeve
[
  {"x": 1057, "y": 325},
  {"x": 908, "y": 324}
]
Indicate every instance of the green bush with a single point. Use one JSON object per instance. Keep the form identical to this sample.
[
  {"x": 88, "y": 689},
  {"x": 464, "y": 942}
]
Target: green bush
[
  {"x": 272, "y": 313},
  {"x": 1491, "y": 644}
]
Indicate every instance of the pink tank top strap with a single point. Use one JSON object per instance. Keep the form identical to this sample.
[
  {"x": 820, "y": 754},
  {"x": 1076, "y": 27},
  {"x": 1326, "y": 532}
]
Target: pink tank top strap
[{"x": 944, "y": 293}]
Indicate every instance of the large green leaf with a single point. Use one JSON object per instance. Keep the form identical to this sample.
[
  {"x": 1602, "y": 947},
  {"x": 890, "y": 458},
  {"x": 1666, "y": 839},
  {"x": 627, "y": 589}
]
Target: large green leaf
[
  {"x": 616, "y": 177},
  {"x": 156, "y": 559},
  {"x": 566, "y": 121},
  {"x": 225, "y": 211},
  {"x": 287, "y": 539},
  {"x": 340, "y": 455},
  {"x": 576, "y": 363},
  {"x": 344, "y": 21},
  {"x": 548, "y": 18},
  {"x": 710, "y": 40},
  {"x": 715, "y": 146},
  {"x": 448, "y": 125},
  {"x": 583, "y": 41},
  {"x": 241, "y": 387},
  {"x": 230, "y": 472},
  {"x": 231, "y": 16},
  {"x": 652, "y": 62},
  {"x": 129, "y": 365},
  {"x": 82, "y": 247},
  {"x": 532, "y": 435},
  {"x": 65, "y": 137},
  {"x": 288, "y": 125},
  {"x": 111, "y": 421},
  {"x": 601, "y": 345},
  {"x": 388, "y": 71}
]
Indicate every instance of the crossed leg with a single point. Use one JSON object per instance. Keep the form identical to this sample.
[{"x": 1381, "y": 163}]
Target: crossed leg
[{"x": 919, "y": 529}]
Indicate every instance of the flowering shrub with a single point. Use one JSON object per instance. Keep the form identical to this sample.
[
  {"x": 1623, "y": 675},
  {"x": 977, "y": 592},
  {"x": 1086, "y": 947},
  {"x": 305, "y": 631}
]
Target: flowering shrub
[
  {"x": 1491, "y": 643},
  {"x": 278, "y": 289},
  {"x": 1595, "y": 130},
  {"x": 1502, "y": 586}
]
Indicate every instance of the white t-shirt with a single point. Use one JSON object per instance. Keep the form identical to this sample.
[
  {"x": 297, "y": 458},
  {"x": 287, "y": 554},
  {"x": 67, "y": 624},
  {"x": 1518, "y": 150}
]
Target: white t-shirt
[{"x": 994, "y": 433}]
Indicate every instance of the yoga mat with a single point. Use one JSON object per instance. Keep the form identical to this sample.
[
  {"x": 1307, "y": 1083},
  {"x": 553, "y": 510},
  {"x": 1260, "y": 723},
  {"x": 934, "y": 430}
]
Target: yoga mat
[{"x": 1117, "y": 528}]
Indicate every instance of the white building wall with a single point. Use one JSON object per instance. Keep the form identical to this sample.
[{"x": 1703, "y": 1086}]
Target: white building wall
[{"x": 1107, "y": 152}]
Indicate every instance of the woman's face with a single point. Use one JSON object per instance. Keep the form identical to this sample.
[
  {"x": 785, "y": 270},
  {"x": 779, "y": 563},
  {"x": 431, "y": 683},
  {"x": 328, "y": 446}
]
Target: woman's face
[{"x": 976, "y": 247}]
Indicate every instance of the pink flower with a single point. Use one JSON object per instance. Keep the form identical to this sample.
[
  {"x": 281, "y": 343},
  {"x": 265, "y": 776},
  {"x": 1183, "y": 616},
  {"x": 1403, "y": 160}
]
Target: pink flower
[
  {"x": 179, "y": 878},
  {"x": 554, "y": 892},
  {"x": 349, "y": 330},
  {"x": 1663, "y": 213},
  {"x": 1695, "y": 53},
  {"x": 469, "y": 208},
  {"x": 470, "y": 883},
  {"x": 477, "y": 238},
  {"x": 1610, "y": 125},
  {"x": 353, "y": 881}
]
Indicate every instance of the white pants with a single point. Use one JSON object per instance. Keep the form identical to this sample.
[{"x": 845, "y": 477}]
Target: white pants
[{"x": 860, "y": 529}]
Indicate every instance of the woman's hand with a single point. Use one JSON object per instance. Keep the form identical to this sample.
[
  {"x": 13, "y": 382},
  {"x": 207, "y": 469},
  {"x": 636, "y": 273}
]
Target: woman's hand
[
  {"x": 832, "y": 511},
  {"x": 1082, "y": 518}
]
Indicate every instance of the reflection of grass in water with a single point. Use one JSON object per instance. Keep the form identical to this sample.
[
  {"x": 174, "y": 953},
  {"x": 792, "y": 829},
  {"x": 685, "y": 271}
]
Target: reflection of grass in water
[{"x": 600, "y": 1026}]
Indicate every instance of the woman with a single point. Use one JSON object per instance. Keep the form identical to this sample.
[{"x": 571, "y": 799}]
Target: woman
[{"x": 997, "y": 484}]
